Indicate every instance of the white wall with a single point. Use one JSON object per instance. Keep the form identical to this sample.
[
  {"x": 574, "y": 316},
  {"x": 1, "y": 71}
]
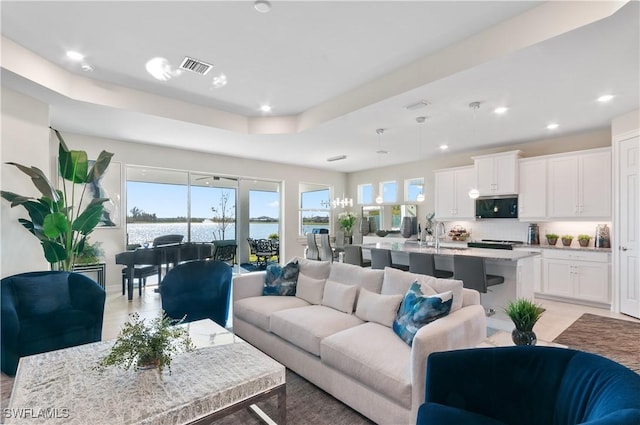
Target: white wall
[
  {"x": 113, "y": 240},
  {"x": 625, "y": 123},
  {"x": 25, "y": 140}
]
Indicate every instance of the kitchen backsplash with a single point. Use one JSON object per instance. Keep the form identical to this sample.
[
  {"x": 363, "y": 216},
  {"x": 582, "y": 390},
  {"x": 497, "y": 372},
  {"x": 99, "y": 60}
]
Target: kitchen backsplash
[{"x": 514, "y": 230}]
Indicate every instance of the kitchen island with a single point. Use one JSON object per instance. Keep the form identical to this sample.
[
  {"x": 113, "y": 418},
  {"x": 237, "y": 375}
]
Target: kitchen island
[{"x": 520, "y": 269}]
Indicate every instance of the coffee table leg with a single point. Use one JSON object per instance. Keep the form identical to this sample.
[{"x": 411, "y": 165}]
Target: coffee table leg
[{"x": 282, "y": 406}]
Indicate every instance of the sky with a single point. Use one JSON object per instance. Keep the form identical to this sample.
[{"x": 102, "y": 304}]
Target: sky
[{"x": 168, "y": 200}]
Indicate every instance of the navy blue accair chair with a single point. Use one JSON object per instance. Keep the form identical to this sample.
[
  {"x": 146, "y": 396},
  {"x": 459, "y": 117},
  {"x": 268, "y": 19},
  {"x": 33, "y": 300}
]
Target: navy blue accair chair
[
  {"x": 198, "y": 290},
  {"x": 46, "y": 311},
  {"x": 528, "y": 386}
]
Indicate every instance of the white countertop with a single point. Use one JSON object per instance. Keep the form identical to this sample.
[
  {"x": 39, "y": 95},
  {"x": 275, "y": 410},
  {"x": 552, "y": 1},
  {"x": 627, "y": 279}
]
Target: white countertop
[{"x": 457, "y": 249}]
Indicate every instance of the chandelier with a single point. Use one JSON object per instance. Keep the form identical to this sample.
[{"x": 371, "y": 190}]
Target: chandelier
[{"x": 338, "y": 202}]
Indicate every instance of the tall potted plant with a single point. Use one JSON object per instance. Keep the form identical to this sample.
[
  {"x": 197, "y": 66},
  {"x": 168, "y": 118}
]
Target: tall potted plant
[{"x": 60, "y": 218}]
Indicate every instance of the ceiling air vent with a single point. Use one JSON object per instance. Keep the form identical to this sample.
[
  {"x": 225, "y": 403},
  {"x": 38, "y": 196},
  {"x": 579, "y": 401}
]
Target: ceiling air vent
[
  {"x": 337, "y": 158},
  {"x": 195, "y": 65}
]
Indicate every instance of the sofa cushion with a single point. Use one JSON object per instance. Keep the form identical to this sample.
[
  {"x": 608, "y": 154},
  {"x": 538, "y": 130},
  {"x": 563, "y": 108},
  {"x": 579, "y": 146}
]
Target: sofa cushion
[
  {"x": 310, "y": 289},
  {"x": 281, "y": 280},
  {"x": 377, "y": 308},
  {"x": 372, "y": 354},
  {"x": 305, "y": 327},
  {"x": 312, "y": 268},
  {"x": 339, "y": 296},
  {"x": 434, "y": 413},
  {"x": 258, "y": 310},
  {"x": 398, "y": 282},
  {"x": 351, "y": 274},
  {"x": 418, "y": 310}
]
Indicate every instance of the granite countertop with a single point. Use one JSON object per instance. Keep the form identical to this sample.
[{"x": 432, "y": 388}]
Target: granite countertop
[
  {"x": 567, "y": 248},
  {"x": 461, "y": 249}
]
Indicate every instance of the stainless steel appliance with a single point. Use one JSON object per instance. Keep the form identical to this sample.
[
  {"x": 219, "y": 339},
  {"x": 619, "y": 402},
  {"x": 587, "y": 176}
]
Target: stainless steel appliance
[
  {"x": 493, "y": 244},
  {"x": 497, "y": 207}
]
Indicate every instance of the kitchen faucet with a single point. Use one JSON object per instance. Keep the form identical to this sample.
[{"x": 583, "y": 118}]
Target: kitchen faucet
[{"x": 439, "y": 225}]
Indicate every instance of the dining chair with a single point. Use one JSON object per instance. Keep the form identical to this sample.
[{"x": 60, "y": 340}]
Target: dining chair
[
  {"x": 356, "y": 238},
  {"x": 264, "y": 251},
  {"x": 381, "y": 258},
  {"x": 340, "y": 241},
  {"x": 325, "y": 250},
  {"x": 425, "y": 263},
  {"x": 353, "y": 255},
  {"x": 472, "y": 272},
  {"x": 312, "y": 247}
]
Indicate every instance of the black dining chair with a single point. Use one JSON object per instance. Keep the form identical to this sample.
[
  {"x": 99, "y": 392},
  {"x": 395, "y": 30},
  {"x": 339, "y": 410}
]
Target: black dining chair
[
  {"x": 353, "y": 255},
  {"x": 381, "y": 258},
  {"x": 472, "y": 272},
  {"x": 425, "y": 263}
]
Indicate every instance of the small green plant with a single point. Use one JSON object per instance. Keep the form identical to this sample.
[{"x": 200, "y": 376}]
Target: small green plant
[
  {"x": 551, "y": 236},
  {"x": 273, "y": 236},
  {"x": 567, "y": 237},
  {"x": 524, "y": 313},
  {"x": 145, "y": 345},
  {"x": 583, "y": 237},
  {"x": 91, "y": 253},
  {"x": 346, "y": 220}
]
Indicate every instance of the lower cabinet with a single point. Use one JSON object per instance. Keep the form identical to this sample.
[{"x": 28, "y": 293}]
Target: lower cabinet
[{"x": 583, "y": 276}]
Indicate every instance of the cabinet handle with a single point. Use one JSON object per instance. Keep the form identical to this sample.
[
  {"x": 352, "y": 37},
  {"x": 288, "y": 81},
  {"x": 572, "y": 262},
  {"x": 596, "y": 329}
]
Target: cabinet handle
[{"x": 623, "y": 248}]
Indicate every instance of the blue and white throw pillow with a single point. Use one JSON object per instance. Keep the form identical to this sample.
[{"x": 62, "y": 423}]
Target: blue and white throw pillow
[
  {"x": 281, "y": 280},
  {"x": 417, "y": 310}
]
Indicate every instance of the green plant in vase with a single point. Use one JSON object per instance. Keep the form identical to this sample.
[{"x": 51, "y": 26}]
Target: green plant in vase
[
  {"x": 524, "y": 313},
  {"x": 566, "y": 240},
  {"x": 552, "y": 238},
  {"x": 346, "y": 220},
  {"x": 584, "y": 239},
  {"x": 61, "y": 219}
]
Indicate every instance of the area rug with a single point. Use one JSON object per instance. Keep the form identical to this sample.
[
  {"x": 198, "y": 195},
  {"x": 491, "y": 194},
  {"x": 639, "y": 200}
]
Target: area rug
[
  {"x": 306, "y": 404},
  {"x": 618, "y": 340}
]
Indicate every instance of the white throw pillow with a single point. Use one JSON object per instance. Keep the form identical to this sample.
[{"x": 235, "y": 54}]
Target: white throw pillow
[
  {"x": 443, "y": 285},
  {"x": 377, "y": 308},
  {"x": 339, "y": 296},
  {"x": 309, "y": 289}
]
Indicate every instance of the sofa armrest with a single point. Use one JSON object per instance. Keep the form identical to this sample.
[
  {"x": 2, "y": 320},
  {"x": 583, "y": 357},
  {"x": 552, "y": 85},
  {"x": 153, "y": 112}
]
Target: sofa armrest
[
  {"x": 466, "y": 328},
  {"x": 248, "y": 285},
  {"x": 470, "y": 297}
]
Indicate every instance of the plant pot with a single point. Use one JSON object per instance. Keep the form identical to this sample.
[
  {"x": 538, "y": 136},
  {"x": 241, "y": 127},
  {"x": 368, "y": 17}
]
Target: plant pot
[
  {"x": 567, "y": 242},
  {"x": 583, "y": 243},
  {"x": 153, "y": 364},
  {"x": 523, "y": 337},
  {"x": 552, "y": 241}
]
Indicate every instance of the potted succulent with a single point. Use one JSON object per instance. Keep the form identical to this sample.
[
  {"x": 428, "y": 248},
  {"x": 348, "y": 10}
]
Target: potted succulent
[
  {"x": 59, "y": 219},
  {"x": 566, "y": 240},
  {"x": 552, "y": 238},
  {"x": 147, "y": 346},
  {"x": 584, "y": 239},
  {"x": 524, "y": 313}
]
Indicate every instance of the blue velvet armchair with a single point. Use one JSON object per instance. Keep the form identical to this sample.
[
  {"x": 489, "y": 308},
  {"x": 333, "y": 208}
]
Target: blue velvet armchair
[
  {"x": 198, "y": 290},
  {"x": 46, "y": 311},
  {"x": 528, "y": 386}
]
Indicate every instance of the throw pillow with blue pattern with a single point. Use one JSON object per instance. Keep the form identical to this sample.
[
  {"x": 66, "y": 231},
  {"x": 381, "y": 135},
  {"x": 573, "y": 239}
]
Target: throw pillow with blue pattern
[
  {"x": 281, "y": 280},
  {"x": 417, "y": 310}
]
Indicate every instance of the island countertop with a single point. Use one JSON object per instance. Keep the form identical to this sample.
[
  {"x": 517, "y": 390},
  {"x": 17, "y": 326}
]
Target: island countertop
[{"x": 490, "y": 254}]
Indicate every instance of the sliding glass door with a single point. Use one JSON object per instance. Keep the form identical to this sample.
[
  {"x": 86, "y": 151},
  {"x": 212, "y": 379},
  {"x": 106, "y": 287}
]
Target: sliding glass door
[{"x": 213, "y": 208}]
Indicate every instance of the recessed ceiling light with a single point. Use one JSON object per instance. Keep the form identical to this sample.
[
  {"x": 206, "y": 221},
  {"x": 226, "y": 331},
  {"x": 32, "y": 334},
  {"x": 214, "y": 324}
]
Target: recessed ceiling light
[
  {"x": 75, "y": 56},
  {"x": 86, "y": 67},
  {"x": 501, "y": 110},
  {"x": 605, "y": 98},
  {"x": 262, "y": 6},
  {"x": 444, "y": 147},
  {"x": 265, "y": 108},
  {"x": 160, "y": 69},
  {"x": 219, "y": 80},
  {"x": 552, "y": 126}
]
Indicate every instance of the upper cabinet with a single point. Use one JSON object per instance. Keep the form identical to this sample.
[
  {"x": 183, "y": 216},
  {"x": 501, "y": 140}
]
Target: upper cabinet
[
  {"x": 532, "y": 184},
  {"x": 452, "y": 193},
  {"x": 579, "y": 185},
  {"x": 497, "y": 174}
]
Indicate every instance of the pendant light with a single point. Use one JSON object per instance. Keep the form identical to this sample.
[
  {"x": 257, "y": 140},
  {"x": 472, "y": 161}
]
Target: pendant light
[
  {"x": 379, "y": 132},
  {"x": 420, "y": 120}
]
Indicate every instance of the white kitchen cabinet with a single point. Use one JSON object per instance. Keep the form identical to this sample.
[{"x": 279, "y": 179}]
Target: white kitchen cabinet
[
  {"x": 579, "y": 275},
  {"x": 497, "y": 174},
  {"x": 532, "y": 189},
  {"x": 452, "y": 188},
  {"x": 579, "y": 185}
]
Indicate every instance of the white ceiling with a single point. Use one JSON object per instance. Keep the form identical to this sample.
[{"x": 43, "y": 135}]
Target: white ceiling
[{"x": 333, "y": 72}]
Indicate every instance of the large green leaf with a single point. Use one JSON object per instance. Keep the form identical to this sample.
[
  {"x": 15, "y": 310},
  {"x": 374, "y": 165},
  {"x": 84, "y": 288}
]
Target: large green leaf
[
  {"x": 14, "y": 198},
  {"x": 40, "y": 181},
  {"x": 90, "y": 217},
  {"x": 53, "y": 251},
  {"x": 37, "y": 211},
  {"x": 55, "y": 224},
  {"x": 73, "y": 165},
  {"x": 99, "y": 166},
  {"x": 34, "y": 229}
]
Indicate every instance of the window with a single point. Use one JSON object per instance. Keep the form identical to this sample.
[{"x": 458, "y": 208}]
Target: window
[
  {"x": 389, "y": 191},
  {"x": 413, "y": 188},
  {"x": 213, "y": 208},
  {"x": 264, "y": 213},
  {"x": 315, "y": 208},
  {"x": 365, "y": 194}
]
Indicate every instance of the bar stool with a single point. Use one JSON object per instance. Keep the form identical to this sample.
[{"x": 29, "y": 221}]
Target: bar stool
[
  {"x": 425, "y": 263},
  {"x": 381, "y": 258},
  {"x": 353, "y": 255},
  {"x": 312, "y": 247},
  {"x": 472, "y": 272}
]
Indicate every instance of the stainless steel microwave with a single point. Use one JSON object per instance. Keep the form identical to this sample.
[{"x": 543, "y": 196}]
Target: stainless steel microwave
[{"x": 497, "y": 207}]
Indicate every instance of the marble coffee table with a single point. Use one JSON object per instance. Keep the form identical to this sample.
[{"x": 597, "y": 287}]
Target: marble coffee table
[{"x": 223, "y": 375}]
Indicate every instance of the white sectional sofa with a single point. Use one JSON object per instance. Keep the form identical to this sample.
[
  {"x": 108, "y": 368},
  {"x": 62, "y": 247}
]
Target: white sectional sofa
[{"x": 339, "y": 337}]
